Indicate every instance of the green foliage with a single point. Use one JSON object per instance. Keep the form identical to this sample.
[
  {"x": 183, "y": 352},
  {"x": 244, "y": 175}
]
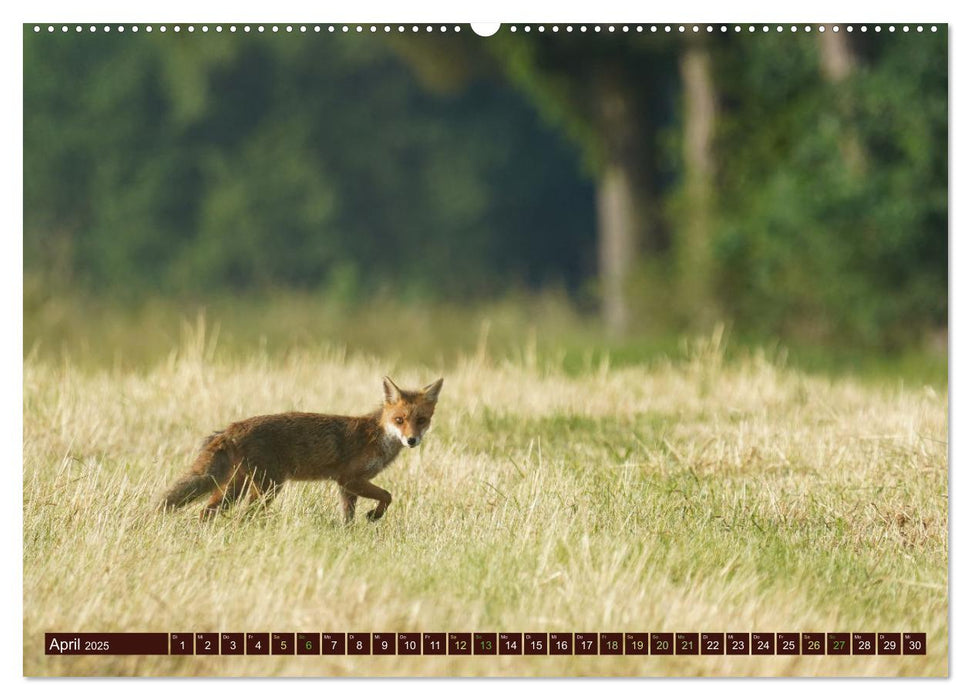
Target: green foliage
[
  {"x": 192, "y": 164},
  {"x": 567, "y": 76},
  {"x": 812, "y": 243},
  {"x": 454, "y": 167}
]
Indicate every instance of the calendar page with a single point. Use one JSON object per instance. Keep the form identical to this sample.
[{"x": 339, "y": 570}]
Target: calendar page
[{"x": 448, "y": 350}]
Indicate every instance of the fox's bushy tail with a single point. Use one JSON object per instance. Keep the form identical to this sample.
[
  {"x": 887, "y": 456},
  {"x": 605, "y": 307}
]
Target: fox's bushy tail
[
  {"x": 210, "y": 470},
  {"x": 189, "y": 488}
]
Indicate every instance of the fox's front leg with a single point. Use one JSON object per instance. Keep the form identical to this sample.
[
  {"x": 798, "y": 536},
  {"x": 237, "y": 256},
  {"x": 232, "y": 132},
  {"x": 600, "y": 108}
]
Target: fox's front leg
[{"x": 366, "y": 489}]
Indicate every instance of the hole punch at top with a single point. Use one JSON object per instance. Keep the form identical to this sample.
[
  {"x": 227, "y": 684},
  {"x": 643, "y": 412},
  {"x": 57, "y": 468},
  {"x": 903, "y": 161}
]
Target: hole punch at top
[{"x": 485, "y": 29}]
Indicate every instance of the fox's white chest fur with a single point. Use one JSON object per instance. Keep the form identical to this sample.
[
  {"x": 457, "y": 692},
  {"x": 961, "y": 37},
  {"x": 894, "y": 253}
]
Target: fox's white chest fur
[{"x": 390, "y": 447}]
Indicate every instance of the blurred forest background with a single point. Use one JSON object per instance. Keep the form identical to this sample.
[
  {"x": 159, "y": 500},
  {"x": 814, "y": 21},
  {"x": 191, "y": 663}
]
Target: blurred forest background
[{"x": 568, "y": 193}]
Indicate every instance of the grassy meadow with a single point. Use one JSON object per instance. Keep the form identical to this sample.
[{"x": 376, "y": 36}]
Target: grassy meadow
[{"x": 706, "y": 489}]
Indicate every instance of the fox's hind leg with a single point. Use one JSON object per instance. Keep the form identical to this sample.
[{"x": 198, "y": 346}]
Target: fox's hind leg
[
  {"x": 348, "y": 504},
  {"x": 226, "y": 494},
  {"x": 263, "y": 489}
]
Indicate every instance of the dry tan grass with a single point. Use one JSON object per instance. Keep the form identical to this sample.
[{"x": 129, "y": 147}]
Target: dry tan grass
[{"x": 687, "y": 496}]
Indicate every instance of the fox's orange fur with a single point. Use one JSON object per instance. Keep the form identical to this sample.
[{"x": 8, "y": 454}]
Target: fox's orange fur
[{"x": 259, "y": 454}]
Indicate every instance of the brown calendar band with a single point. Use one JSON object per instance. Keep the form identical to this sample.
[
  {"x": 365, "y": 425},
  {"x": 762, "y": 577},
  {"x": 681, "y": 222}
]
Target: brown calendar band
[
  {"x": 106, "y": 643},
  {"x": 486, "y": 643}
]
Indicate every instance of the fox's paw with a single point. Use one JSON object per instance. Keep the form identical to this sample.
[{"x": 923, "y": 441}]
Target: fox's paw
[
  {"x": 208, "y": 515},
  {"x": 374, "y": 514}
]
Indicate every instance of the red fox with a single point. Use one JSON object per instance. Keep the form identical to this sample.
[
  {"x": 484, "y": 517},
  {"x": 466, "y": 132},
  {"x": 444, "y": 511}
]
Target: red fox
[{"x": 261, "y": 453}]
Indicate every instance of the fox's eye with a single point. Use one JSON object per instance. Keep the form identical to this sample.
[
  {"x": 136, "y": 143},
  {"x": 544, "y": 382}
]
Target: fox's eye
[
  {"x": 422, "y": 421},
  {"x": 399, "y": 420}
]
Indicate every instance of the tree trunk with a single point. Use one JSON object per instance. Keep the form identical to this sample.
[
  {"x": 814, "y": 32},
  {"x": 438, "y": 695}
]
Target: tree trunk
[
  {"x": 835, "y": 54},
  {"x": 836, "y": 64},
  {"x": 615, "y": 242},
  {"x": 617, "y": 220},
  {"x": 694, "y": 244}
]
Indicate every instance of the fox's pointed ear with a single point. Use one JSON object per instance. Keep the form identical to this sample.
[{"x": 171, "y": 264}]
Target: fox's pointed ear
[
  {"x": 430, "y": 392},
  {"x": 392, "y": 394}
]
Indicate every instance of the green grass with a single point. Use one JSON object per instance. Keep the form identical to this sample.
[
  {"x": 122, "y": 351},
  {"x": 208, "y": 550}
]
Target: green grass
[
  {"x": 539, "y": 331},
  {"x": 704, "y": 493}
]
